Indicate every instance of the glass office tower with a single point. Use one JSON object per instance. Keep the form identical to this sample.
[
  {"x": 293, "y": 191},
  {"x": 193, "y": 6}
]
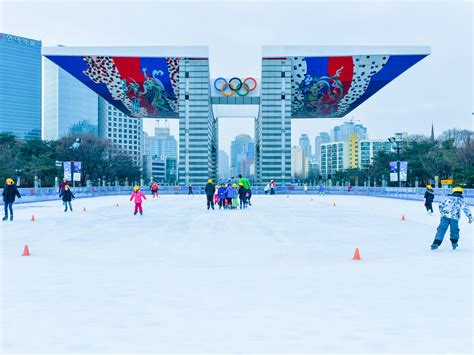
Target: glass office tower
[{"x": 20, "y": 86}]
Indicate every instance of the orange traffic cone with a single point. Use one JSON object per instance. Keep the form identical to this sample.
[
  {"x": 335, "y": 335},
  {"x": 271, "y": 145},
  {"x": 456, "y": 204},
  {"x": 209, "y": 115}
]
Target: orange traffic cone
[
  {"x": 84, "y": 209},
  {"x": 26, "y": 251},
  {"x": 33, "y": 218},
  {"x": 403, "y": 217},
  {"x": 356, "y": 255}
]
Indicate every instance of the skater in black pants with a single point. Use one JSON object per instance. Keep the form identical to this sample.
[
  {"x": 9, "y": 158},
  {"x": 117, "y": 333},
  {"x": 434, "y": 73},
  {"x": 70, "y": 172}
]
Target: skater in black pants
[
  {"x": 67, "y": 196},
  {"x": 190, "y": 189},
  {"x": 209, "y": 190},
  {"x": 242, "y": 196},
  {"x": 9, "y": 193},
  {"x": 429, "y": 197}
]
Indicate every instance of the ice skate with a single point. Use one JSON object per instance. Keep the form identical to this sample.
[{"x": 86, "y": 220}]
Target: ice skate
[
  {"x": 4, "y": 218},
  {"x": 434, "y": 246},
  {"x": 454, "y": 245},
  {"x": 11, "y": 218}
]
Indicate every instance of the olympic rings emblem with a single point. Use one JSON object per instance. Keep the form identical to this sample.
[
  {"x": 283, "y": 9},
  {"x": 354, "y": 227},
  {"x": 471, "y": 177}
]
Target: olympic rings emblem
[{"x": 235, "y": 86}]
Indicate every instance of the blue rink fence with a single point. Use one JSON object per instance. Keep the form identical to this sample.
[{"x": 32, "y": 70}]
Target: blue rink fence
[{"x": 405, "y": 193}]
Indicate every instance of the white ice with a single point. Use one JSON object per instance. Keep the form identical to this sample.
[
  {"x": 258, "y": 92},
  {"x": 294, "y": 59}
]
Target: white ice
[{"x": 277, "y": 277}]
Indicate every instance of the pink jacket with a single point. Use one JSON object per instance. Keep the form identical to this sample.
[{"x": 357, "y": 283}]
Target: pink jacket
[{"x": 137, "y": 195}]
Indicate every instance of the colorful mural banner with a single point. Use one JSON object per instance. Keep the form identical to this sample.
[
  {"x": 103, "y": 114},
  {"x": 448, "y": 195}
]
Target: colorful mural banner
[
  {"x": 333, "y": 86},
  {"x": 67, "y": 170},
  {"x": 77, "y": 169},
  {"x": 393, "y": 171},
  {"x": 139, "y": 87},
  {"x": 403, "y": 170}
]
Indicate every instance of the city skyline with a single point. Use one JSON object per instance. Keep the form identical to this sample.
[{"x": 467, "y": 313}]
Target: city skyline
[{"x": 418, "y": 89}]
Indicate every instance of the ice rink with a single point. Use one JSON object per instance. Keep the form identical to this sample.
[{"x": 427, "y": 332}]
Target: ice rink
[{"x": 277, "y": 277}]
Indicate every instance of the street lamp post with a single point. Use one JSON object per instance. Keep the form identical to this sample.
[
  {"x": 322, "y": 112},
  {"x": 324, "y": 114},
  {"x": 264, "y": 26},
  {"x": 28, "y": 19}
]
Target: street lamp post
[{"x": 397, "y": 143}]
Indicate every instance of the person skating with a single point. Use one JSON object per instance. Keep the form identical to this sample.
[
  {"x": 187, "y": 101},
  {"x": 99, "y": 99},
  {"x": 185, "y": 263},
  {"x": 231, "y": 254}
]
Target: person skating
[
  {"x": 222, "y": 195},
  {"x": 272, "y": 187},
  {"x": 266, "y": 189},
  {"x": 62, "y": 184},
  {"x": 209, "y": 190},
  {"x": 216, "y": 195},
  {"x": 429, "y": 197},
  {"x": 67, "y": 196},
  {"x": 154, "y": 189},
  {"x": 235, "y": 199},
  {"x": 230, "y": 194},
  {"x": 190, "y": 189},
  {"x": 450, "y": 211},
  {"x": 242, "y": 193},
  {"x": 137, "y": 197},
  {"x": 9, "y": 193},
  {"x": 246, "y": 184}
]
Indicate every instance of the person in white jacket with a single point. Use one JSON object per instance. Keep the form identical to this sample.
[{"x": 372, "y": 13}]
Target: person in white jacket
[{"x": 450, "y": 211}]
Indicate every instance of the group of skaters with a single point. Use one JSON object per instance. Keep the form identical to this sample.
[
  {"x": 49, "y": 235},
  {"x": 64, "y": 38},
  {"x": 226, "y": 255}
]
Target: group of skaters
[
  {"x": 229, "y": 195},
  {"x": 237, "y": 194}
]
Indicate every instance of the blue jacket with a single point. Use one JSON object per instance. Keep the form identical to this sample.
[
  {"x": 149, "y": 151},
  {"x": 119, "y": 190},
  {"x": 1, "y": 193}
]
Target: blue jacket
[
  {"x": 222, "y": 193},
  {"x": 230, "y": 192}
]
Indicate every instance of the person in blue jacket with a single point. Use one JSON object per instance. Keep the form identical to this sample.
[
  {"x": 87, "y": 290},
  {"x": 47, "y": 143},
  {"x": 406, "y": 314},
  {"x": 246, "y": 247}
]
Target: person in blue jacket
[
  {"x": 222, "y": 193},
  {"x": 230, "y": 194},
  {"x": 450, "y": 211}
]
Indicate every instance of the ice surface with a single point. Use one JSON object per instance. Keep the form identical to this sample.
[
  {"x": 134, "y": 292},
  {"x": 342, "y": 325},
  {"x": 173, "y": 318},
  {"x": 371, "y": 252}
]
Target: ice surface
[{"x": 277, "y": 277}]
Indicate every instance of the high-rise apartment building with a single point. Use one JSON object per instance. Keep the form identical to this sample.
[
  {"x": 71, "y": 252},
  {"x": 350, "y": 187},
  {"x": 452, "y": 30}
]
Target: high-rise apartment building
[
  {"x": 323, "y": 137},
  {"x": 299, "y": 163},
  {"x": 69, "y": 107},
  {"x": 20, "y": 86}
]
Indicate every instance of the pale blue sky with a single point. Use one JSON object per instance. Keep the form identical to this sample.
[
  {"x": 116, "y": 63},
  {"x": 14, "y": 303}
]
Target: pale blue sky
[{"x": 437, "y": 89}]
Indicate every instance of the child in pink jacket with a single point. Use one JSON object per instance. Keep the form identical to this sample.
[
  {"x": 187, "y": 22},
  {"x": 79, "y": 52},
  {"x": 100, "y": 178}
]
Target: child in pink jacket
[{"x": 137, "y": 196}]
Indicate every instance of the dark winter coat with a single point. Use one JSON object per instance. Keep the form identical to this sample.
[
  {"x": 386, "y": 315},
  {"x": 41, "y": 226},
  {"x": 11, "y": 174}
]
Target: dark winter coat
[
  {"x": 242, "y": 192},
  {"x": 429, "y": 195},
  {"x": 62, "y": 184},
  {"x": 67, "y": 195},
  {"x": 210, "y": 188},
  {"x": 9, "y": 193},
  {"x": 222, "y": 193}
]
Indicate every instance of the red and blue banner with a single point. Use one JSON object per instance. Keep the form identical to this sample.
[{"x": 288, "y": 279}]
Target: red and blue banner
[
  {"x": 329, "y": 87},
  {"x": 139, "y": 87}
]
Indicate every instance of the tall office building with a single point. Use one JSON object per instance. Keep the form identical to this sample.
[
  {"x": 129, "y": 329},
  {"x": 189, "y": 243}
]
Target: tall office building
[
  {"x": 343, "y": 132},
  {"x": 323, "y": 137},
  {"x": 69, "y": 107},
  {"x": 20, "y": 86},
  {"x": 126, "y": 133},
  {"x": 299, "y": 163},
  {"x": 162, "y": 144},
  {"x": 306, "y": 146},
  {"x": 224, "y": 165},
  {"x": 242, "y": 155}
]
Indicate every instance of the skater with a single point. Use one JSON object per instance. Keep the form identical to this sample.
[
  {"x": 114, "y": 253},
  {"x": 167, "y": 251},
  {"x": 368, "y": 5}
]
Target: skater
[
  {"x": 67, "y": 196},
  {"x": 154, "y": 189},
  {"x": 272, "y": 187},
  {"x": 242, "y": 193},
  {"x": 429, "y": 197},
  {"x": 62, "y": 184},
  {"x": 216, "y": 195},
  {"x": 137, "y": 197},
  {"x": 190, "y": 189},
  {"x": 321, "y": 190},
  {"x": 246, "y": 184},
  {"x": 222, "y": 195},
  {"x": 230, "y": 194},
  {"x": 450, "y": 211},
  {"x": 235, "y": 199},
  {"x": 210, "y": 189},
  {"x": 266, "y": 189},
  {"x": 305, "y": 188},
  {"x": 9, "y": 193}
]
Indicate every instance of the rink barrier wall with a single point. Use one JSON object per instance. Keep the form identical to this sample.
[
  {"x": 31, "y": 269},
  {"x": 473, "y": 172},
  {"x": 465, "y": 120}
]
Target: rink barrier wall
[{"x": 405, "y": 193}]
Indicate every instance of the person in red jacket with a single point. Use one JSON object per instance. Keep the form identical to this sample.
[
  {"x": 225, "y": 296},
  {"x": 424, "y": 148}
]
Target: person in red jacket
[
  {"x": 137, "y": 197},
  {"x": 154, "y": 189}
]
